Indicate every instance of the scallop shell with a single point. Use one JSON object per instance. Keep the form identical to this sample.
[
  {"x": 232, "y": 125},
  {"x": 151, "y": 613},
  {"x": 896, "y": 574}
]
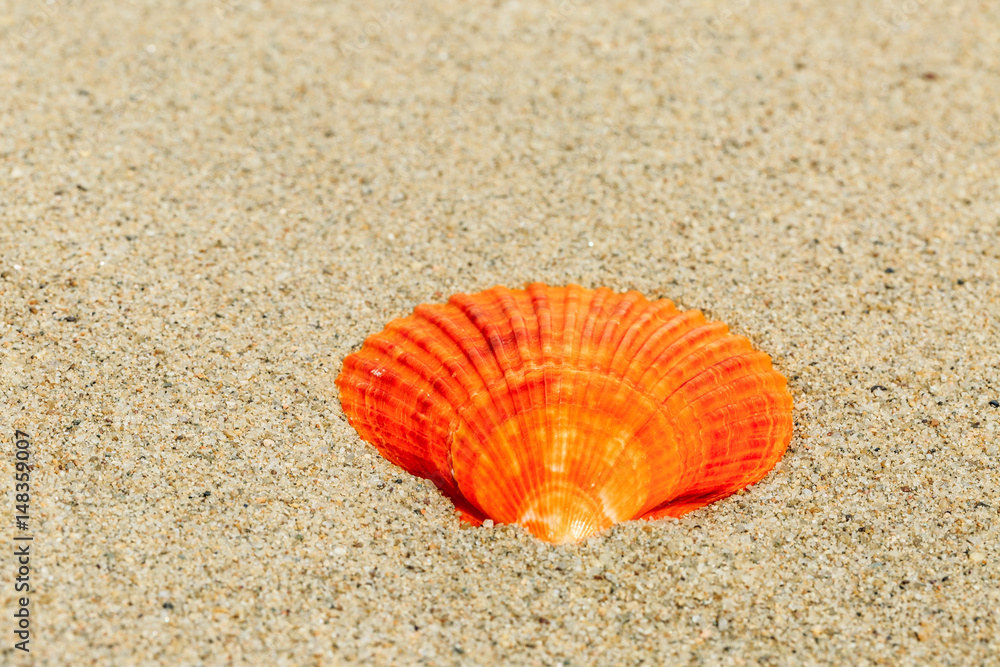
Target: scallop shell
[{"x": 567, "y": 410}]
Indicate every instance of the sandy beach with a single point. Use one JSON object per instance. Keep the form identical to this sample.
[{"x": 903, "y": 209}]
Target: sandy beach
[{"x": 206, "y": 205}]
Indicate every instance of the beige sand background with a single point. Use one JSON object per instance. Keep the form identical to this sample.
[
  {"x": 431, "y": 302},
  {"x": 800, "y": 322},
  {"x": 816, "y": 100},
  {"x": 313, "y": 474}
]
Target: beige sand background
[{"x": 206, "y": 205}]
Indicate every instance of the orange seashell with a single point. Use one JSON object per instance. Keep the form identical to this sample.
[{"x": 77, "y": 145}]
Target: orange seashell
[{"x": 567, "y": 410}]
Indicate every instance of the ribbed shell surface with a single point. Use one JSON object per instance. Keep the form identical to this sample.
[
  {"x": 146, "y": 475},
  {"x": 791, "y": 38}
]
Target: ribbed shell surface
[{"x": 567, "y": 410}]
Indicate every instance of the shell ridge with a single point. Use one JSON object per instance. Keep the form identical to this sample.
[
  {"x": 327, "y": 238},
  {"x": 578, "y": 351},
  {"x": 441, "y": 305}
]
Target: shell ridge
[
  {"x": 477, "y": 314},
  {"x": 570, "y": 342},
  {"x": 461, "y": 417},
  {"x": 782, "y": 418},
  {"x": 526, "y": 400},
  {"x": 735, "y": 373},
  {"x": 537, "y": 420},
  {"x": 415, "y": 430},
  {"x": 578, "y": 311},
  {"x": 565, "y": 333},
  {"x": 470, "y": 415},
  {"x": 541, "y": 305},
  {"x": 597, "y": 317},
  {"x": 701, "y": 391},
  {"x": 410, "y": 395},
  {"x": 685, "y": 444},
  {"x": 586, "y": 329},
  {"x": 709, "y": 384},
  {"x": 567, "y": 325},
  {"x": 458, "y": 335},
  {"x": 748, "y": 426},
  {"x": 691, "y": 340},
  {"x": 616, "y": 328},
  {"x": 727, "y": 354},
  {"x": 708, "y": 491},
  {"x": 473, "y": 385},
  {"x": 599, "y": 307},
  {"x": 670, "y": 359},
  {"x": 530, "y": 345},
  {"x": 626, "y": 311},
  {"x": 660, "y": 341},
  {"x": 474, "y": 413},
  {"x": 413, "y": 361},
  {"x": 636, "y": 336},
  {"x": 608, "y": 470},
  {"x": 628, "y": 407},
  {"x": 436, "y": 380},
  {"x": 639, "y": 332},
  {"x": 618, "y": 371},
  {"x": 516, "y": 359},
  {"x": 577, "y": 301},
  {"x": 715, "y": 462},
  {"x": 695, "y": 438},
  {"x": 358, "y": 388}
]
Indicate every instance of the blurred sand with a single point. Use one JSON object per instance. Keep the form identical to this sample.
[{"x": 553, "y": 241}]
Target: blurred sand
[{"x": 206, "y": 206}]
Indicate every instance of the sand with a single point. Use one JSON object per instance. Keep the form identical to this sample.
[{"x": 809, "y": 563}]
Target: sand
[{"x": 205, "y": 207}]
